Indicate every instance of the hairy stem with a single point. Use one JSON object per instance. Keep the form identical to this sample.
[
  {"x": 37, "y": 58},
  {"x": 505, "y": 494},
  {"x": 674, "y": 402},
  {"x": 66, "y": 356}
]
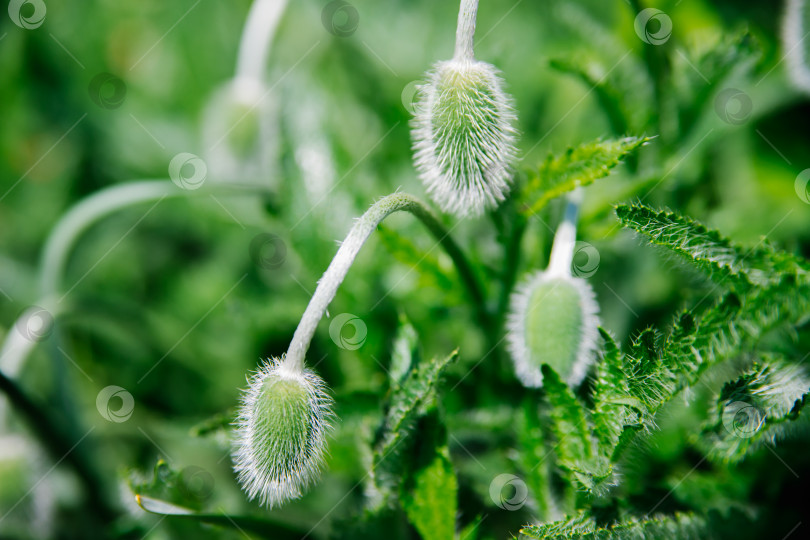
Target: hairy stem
[
  {"x": 339, "y": 267},
  {"x": 562, "y": 250},
  {"x": 257, "y": 36},
  {"x": 96, "y": 206},
  {"x": 63, "y": 237},
  {"x": 465, "y": 31}
]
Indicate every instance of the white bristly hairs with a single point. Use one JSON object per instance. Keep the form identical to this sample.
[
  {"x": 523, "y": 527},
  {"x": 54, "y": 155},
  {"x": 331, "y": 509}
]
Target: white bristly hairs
[
  {"x": 285, "y": 412},
  {"x": 463, "y": 128}
]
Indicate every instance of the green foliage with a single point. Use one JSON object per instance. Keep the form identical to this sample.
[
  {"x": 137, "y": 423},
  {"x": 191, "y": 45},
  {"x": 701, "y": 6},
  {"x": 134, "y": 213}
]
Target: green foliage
[
  {"x": 427, "y": 265},
  {"x": 413, "y": 392},
  {"x": 429, "y": 495},
  {"x": 683, "y": 526},
  {"x": 691, "y": 423},
  {"x": 707, "y": 250},
  {"x": 577, "y": 166},
  {"x": 180, "y": 494},
  {"x": 756, "y": 408},
  {"x": 173, "y": 487}
]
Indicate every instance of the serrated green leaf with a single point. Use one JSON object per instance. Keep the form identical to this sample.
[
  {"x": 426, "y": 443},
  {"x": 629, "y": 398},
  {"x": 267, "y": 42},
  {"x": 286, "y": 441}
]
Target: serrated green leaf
[
  {"x": 590, "y": 472},
  {"x": 706, "y": 249},
  {"x": 408, "y": 402},
  {"x": 755, "y": 408},
  {"x": 569, "y": 423},
  {"x": 431, "y": 503},
  {"x": 732, "y": 325},
  {"x": 681, "y": 526},
  {"x": 615, "y": 408},
  {"x": 578, "y": 166}
]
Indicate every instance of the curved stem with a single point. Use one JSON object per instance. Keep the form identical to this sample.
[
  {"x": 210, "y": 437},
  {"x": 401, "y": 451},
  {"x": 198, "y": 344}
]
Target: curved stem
[
  {"x": 562, "y": 250},
  {"x": 466, "y": 30},
  {"x": 339, "y": 267},
  {"x": 254, "y": 47},
  {"x": 17, "y": 345},
  {"x": 96, "y": 206}
]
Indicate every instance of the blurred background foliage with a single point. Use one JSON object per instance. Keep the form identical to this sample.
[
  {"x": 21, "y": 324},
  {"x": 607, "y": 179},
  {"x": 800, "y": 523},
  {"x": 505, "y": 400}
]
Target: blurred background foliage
[{"x": 168, "y": 301}]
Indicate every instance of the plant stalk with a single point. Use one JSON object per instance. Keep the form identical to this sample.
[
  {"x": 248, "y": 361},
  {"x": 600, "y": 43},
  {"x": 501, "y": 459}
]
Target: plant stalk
[
  {"x": 562, "y": 250},
  {"x": 254, "y": 47},
  {"x": 465, "y": 31},
  {"x": 339, "y": 267}
]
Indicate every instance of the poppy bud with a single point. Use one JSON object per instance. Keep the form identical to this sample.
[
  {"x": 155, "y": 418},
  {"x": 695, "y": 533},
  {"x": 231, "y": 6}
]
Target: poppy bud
[
  {"x": 462, "y": 131},
  {"x": 281, "y": 428}
]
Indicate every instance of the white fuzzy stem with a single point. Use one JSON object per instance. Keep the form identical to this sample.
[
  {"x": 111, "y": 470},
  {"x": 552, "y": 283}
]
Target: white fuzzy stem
[
  {"x": 254, "y": 47},
  {"x": 63, "y": 237},
  {"x": 98, "y": 205},
  {"x": 465, "y": 31},
  {"x": 793, "y": 36},
  {"x": 81, "y": 216},
  {"x": 562, "y": 251},
  {"x": 16, "y": 347},
  {"x": 339, "y": 267}
]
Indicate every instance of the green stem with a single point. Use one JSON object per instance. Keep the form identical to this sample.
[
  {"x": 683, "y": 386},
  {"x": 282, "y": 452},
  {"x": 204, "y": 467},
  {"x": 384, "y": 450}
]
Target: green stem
[{"x": 339, "y": 267}]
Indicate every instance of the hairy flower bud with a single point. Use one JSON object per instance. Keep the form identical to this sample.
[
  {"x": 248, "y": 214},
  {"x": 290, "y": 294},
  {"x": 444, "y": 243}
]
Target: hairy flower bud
[
  {"x": 280, "y": 435},
  {"x": 462, "y": 130},
  {"x": 553, "y": 321},
  {"x": 463, "y": 136}
]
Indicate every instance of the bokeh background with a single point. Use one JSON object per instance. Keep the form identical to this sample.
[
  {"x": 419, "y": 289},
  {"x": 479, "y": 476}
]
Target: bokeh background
[{"x": 175, "y": 302}]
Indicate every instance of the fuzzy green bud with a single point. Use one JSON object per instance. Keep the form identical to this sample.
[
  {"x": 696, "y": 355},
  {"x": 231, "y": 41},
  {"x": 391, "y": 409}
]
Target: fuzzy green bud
[
  {"x": 462, "y": 131},
  {"x": 553, "y": 321},
  {"x": 281, "y": 429}
]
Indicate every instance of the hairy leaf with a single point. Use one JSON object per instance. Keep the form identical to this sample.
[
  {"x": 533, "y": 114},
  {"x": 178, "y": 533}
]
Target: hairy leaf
[
  {"x": 755, "y": 409},
  {"x": 405, "y": 354},
  {"x": 682, "y": 526},
  {"x": 591, "y": 473},
  {"x": 615, "y": 408},
  {"x": 706, "y": 249},
  {"x": 569, "y": 422},
  {"x": 576, "y": 167},
  {"x": 408, "y": 402}
]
